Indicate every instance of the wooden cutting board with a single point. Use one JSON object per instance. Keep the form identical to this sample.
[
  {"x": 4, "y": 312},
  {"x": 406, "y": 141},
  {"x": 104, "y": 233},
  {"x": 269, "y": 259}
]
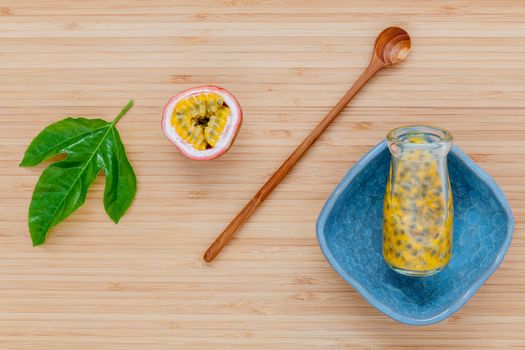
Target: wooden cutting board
[{"x": 142, "y": 284}]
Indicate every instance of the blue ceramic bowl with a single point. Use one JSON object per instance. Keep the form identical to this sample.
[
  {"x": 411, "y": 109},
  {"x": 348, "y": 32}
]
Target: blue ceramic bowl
[{"x": 349, "y": 232}]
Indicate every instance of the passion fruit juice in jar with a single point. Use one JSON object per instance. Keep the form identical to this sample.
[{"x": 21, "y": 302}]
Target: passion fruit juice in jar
[{"x": 418, "y": 209}]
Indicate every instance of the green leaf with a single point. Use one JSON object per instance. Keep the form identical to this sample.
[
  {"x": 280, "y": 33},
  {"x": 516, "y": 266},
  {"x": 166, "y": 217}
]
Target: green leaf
[
  {"x": 120, "y": 178},
  {"x": 90, "y": 145},
  {"x": 58, "y": 136}
]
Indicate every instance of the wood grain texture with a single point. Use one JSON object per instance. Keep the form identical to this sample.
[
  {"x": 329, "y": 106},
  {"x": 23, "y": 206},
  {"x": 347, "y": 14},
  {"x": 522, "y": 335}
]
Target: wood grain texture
[{"x": 142, "y": 284}]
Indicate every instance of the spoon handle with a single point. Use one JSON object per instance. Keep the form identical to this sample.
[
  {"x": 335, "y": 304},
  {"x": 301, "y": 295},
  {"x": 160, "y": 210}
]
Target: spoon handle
[{"x": 223, "y": 239}]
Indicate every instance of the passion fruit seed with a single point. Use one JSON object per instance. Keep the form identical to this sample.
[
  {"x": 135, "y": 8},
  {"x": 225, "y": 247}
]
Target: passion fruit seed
[{"x": 200, "y": 119}]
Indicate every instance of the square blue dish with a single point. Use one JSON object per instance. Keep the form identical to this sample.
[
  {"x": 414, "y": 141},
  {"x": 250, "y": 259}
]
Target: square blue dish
[{"x": 349, "y": 231}]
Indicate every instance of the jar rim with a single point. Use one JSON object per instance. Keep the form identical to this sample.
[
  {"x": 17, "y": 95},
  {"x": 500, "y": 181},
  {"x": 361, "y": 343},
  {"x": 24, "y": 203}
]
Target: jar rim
[{"x": 397, "y": 135}]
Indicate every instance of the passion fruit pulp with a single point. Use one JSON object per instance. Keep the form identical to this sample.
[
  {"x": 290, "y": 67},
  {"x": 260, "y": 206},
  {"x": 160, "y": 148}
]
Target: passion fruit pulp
[
  {"x": 202, "y": 122},
  {"x": 200, "y": 119}
]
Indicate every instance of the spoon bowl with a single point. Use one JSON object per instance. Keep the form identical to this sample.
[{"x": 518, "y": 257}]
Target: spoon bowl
[{"x": 392, "y": 46}]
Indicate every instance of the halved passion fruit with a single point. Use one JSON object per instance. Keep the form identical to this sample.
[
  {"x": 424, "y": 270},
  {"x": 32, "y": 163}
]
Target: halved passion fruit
[{"x": 202, "y": 122}]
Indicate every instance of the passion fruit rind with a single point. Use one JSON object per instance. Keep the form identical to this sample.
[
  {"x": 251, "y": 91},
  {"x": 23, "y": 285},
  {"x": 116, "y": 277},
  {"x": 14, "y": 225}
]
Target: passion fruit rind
[{"x": 200, "y": 119}]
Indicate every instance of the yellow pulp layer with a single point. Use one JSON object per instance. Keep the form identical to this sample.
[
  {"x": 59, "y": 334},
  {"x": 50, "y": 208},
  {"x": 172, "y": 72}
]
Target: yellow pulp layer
[
  {"x": 200, "y": 119},
  {"x": 417, "y": 217}
]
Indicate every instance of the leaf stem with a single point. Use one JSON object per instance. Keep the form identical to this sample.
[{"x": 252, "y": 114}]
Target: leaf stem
[{"x": 122, "y": 112}]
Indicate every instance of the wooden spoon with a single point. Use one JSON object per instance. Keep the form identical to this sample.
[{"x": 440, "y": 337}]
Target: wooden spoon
[{"x": 392, "y": 46}]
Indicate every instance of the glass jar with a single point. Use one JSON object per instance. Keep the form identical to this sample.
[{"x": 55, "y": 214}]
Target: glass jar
[{"x": 418, "y": 211}]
